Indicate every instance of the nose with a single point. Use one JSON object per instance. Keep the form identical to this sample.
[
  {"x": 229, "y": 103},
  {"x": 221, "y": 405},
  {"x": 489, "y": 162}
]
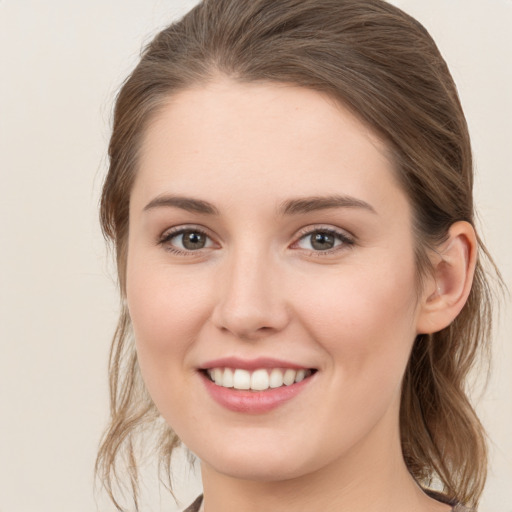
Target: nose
[{"x": 251, "y": 300}]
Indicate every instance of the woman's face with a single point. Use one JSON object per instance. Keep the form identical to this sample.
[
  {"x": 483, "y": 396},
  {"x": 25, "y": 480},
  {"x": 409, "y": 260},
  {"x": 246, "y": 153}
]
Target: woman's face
[{"x": 269, "y": 242}]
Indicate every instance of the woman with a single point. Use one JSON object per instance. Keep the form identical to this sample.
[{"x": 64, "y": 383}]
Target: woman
[{"x": 290, "y": 198}]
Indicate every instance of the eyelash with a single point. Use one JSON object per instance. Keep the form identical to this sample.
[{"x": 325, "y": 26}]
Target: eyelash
[
  {"x": 169, "y": 235},
  {"x": 346, "y": 240}
]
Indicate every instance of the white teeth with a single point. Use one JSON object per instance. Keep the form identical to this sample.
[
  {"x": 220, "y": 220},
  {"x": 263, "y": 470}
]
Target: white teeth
[
  {"x": 301, "y": 374},
  {"x": 241, "y": 379},
  {"x": 217, "y": 376},
  {"x": 276, "y": 378},
  {"x": 258, "y": 380},
  {"x": 227, "y": 381},
  {"x": 289, "y": 376}
]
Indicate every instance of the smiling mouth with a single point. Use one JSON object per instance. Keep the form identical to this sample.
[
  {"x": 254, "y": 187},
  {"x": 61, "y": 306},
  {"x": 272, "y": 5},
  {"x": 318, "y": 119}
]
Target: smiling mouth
[{"x": 258, "y": 380}]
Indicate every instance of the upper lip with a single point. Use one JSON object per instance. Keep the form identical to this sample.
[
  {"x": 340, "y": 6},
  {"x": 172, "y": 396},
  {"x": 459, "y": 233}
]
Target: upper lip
[{"x": 251, "y": 364}]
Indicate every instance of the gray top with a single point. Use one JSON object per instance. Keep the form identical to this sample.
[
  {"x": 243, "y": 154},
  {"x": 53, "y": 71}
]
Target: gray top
[
  {"x": 196, "y": 505},
  {"x": 457, "y": 508}
]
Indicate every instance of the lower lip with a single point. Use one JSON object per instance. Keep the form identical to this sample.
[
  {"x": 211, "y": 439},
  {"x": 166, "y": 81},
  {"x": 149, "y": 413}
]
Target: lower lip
[{"x": 253, "y": 402}]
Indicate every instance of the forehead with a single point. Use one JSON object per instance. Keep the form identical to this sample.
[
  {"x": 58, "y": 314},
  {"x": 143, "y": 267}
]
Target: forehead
[{"x": 260, "y": 143}]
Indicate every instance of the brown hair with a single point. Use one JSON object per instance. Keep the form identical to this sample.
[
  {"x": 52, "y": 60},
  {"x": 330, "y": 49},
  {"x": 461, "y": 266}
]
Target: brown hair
[{"x": 384, "y": 66}]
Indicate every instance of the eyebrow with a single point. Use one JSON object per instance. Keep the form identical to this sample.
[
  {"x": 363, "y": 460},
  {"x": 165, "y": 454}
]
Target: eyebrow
[
  {"x": 185, "y": 203},
  {"x": 296, "y": 206},
  {"x": 310, "y": 204}
]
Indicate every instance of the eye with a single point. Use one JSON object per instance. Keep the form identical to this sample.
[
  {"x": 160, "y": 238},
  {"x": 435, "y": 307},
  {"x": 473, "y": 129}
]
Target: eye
[
  {"x": 323, "y": 240},
  {"x": 184, "y": 240}
]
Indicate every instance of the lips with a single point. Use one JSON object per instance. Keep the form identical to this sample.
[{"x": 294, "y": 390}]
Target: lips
[{"x": 254, "y": 386}]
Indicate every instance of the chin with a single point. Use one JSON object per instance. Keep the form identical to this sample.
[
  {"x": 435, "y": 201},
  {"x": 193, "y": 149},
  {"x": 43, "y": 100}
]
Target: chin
[
  {"x": 258, "y": 469},
  {"x": 260, "y": 461}
]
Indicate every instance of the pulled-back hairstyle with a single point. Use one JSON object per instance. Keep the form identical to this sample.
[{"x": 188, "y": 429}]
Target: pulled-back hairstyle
[{"x": 383, "y": 65}]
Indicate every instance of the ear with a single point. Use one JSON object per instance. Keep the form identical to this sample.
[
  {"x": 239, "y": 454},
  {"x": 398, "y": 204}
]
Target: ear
[{"x": 446, "y": 292}]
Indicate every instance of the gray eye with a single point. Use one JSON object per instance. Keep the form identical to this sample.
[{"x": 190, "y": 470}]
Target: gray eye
[
  {"x": 321, "y": 241},
  {"x": 186, "y": 240},
  {"x": 192, "y": 240}
]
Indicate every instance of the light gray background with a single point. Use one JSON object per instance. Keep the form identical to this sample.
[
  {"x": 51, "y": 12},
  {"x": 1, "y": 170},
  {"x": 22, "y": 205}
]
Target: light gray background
[{"x": 60, "y": 65}]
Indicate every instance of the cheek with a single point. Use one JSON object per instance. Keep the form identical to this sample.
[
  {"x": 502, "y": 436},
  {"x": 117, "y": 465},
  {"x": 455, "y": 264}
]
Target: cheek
[
  {"x": 166, "y": 309},
  {"x": 165, "y": 306},
  {"x": 364, "y": 321},
  {"x": 364, "y": 317}
]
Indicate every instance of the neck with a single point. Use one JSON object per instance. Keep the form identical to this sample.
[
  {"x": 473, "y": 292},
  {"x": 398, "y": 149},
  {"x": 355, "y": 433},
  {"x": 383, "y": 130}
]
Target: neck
[{"x": 369, "y": 479}]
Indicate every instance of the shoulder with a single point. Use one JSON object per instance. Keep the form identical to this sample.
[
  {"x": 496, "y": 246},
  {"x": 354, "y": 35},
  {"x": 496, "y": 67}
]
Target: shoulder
[{"x": 197, "y": 505}]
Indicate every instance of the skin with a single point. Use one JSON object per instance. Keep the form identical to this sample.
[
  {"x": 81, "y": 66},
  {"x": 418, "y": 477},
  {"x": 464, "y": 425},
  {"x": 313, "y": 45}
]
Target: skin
[{"x": 259, "y": 288}]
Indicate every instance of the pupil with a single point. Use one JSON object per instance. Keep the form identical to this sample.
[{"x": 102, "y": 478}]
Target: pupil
[
  {"x": 322, "y": 241},
  {"x": 193, "y": 240}
]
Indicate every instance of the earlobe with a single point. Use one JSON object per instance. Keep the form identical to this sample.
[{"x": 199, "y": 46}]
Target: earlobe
[{"x": 448, "y": 289}]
